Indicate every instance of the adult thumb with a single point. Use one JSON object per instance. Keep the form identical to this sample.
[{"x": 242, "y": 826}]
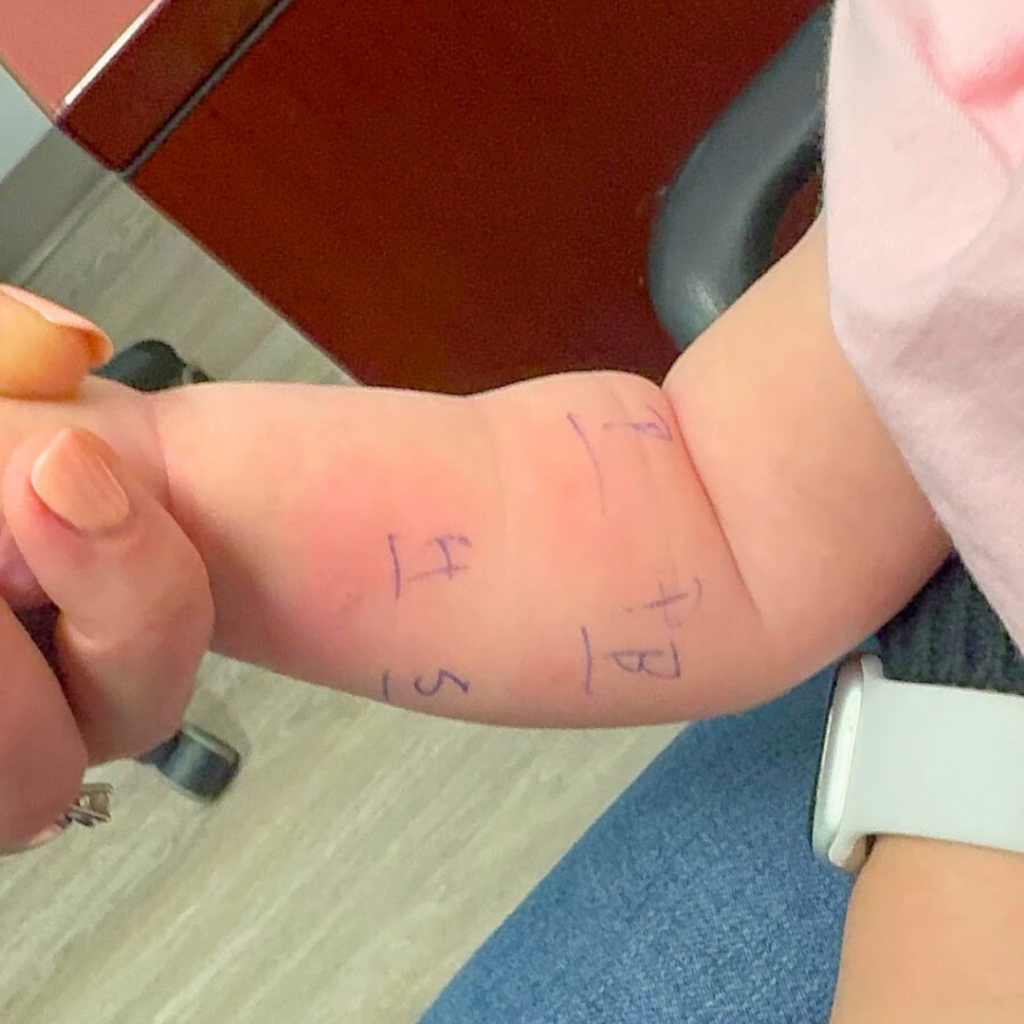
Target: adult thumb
[{"x": 136, "y": 612}]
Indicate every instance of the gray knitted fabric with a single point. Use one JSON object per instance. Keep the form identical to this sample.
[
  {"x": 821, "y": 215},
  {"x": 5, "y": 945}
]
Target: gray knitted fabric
[{"x": 950, "y": 635}]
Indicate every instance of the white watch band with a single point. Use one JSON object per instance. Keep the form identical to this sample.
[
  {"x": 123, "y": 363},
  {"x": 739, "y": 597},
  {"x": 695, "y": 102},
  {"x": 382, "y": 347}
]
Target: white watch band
[{"x": 934, "y": 761}]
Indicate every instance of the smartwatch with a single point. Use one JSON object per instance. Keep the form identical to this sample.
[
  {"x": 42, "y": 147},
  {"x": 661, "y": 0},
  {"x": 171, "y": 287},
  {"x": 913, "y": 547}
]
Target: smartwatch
[{"x": 925, "y": 738}]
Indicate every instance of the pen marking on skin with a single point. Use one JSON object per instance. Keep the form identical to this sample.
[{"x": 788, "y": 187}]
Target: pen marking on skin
[
  {"x": 443, "y": 676},
  {"x": 448, "y": 569},
  {"x": 667, "y": 599},
  {"x": 575, "y": 424},
  {"x": 396, "y": 565},
  {"x": 657, "y": 428},
  {"x": 588, "y": 659},
  {"x": 641, "y": 661}
]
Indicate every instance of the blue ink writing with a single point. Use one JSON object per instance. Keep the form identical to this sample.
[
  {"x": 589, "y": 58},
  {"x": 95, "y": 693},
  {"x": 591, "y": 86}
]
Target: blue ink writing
[
  {"x": 657, "y": 427},
  {"x": 443, "y": 676},
  {"x": 588, "y": 659},
  {"x": 396, "y": 565},
  {"x": 575, "y": 424},
  {"x": 668, "y": 600},
  {"x": 657, "y": 662},
  {"x": 449, "y": 568},
  {"x": 445, "y": 544},
  {"x": 431, "y": 689}
]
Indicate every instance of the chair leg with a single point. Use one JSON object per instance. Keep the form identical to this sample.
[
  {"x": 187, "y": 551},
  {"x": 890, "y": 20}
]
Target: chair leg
[
  {"x": 195, "y": 762},
  {"x": 151, "y": 365}
]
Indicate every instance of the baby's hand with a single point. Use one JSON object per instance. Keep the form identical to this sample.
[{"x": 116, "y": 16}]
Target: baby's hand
[{"x": 87, "y": 533}]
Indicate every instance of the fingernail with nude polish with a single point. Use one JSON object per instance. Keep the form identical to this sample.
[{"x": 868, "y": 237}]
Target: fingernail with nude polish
[
  {"x": 72, "y": 479},
  {"x": 101, "y": 348}
]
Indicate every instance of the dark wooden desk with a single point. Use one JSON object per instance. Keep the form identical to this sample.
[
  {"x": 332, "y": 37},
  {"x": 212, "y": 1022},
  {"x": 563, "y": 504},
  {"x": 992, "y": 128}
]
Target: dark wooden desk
[{"x": 444, "y": 195}]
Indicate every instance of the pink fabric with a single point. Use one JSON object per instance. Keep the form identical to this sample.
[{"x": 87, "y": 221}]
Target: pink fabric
[{"x": 924, "y": 190}]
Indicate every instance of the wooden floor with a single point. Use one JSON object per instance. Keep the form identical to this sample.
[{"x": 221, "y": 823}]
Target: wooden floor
[{"x": 363, "y": 853}]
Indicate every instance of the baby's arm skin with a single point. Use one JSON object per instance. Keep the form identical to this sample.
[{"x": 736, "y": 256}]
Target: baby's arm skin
[
  {"x": 578, "y": 550},
  {"x": 585, "y": 549}
]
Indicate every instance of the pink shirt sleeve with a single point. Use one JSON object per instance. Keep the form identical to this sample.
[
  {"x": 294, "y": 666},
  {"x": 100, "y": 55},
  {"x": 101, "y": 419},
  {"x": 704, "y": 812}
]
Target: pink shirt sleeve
[{"x": 924, "y": 198}]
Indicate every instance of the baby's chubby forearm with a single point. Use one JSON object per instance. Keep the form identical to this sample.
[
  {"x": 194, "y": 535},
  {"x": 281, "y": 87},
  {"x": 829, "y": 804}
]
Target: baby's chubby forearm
[
  {"x": 581, "y": 549},
  {"x": 512, "y": 557},
  {"x": 544, "y": 554}
]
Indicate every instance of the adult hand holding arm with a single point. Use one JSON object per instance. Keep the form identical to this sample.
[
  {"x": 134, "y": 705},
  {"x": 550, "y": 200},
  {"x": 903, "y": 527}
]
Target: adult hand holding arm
[{"x": 134, "y": 612}]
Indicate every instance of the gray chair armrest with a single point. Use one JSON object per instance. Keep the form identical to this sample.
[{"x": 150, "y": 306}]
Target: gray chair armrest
[{"x": 715, "y": 230}]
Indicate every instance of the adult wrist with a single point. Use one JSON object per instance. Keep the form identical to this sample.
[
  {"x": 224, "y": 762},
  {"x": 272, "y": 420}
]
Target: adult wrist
[{"x": 934, "y": 934}]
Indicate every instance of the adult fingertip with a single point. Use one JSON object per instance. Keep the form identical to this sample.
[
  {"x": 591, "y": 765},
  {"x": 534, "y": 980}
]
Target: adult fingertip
[
  {"x": 96, "y": 340},
  {"x": 136, "y": 612},
  {"x": 74, "y": 480}
]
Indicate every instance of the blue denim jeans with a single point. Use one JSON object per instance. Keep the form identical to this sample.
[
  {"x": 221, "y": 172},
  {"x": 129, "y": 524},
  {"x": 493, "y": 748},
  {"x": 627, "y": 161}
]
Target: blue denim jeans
[{"x": 695, "y": 898}]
